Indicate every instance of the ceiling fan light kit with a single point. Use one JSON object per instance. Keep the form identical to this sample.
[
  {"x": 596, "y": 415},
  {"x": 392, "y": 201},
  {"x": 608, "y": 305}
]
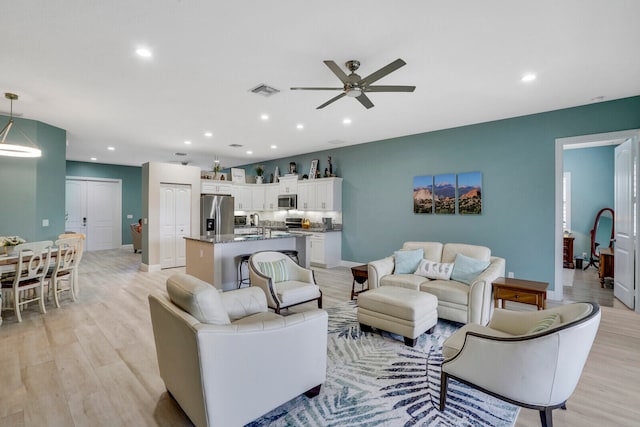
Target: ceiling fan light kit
[
  {"x": 15, "y": 150},
  {"x": 355, "y": 86}
]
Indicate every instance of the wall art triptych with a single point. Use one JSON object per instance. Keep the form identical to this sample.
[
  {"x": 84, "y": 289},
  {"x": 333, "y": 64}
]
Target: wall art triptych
[{"x": 448, "y": 193}]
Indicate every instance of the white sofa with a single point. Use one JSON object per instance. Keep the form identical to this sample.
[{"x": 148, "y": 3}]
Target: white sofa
[
  {"x": 226, "y": 359},
  {"x": 459, "y": 302}
]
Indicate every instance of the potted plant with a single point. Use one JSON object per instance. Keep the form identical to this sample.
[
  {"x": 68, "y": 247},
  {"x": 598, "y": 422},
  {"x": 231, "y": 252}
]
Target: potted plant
[
  {"x": 217, "y": 169},
  {"x": 9, "y": 243},
  {"x": 259, "y": 174}
]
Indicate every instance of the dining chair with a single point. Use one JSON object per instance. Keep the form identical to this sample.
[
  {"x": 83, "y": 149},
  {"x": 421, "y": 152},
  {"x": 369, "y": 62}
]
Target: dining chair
[
  {"x": 79, "y": 252},
  {"x": 65, "y": 268},
  {"x": 28, "y": 284}
]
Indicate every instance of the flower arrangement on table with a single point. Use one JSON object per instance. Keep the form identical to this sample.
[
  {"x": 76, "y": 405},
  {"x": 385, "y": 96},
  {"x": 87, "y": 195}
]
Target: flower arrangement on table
[{"x": 10, "y": 242}]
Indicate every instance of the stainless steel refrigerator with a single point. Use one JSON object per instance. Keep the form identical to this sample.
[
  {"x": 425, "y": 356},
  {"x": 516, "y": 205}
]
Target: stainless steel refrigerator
[{"x": 216, "y": 215}]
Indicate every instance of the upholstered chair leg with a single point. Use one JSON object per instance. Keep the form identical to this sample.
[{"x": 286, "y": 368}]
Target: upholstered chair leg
[
  {"x": 313, "y": 392},
  {"x": 320, "y": 302},
  {"x": 365, "y": 328},
  {"x": 564, "y": 406},
  {"x": 410, "y": 342},
  {"x": 545, "y": 417},
  {"x": 444, "y": 379}
]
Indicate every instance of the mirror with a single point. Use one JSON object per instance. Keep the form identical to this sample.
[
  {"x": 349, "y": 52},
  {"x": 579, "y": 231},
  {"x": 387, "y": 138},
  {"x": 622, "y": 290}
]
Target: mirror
[{"x": 602, "y": 234}]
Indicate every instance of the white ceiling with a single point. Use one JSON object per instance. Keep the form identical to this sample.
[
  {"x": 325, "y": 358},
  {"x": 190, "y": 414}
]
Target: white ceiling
[{"x": 73, "y": 65}]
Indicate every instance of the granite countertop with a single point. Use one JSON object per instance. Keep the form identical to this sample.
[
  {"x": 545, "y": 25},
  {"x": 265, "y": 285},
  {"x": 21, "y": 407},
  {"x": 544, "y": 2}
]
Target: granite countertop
[{"x": 235, "y": 238}]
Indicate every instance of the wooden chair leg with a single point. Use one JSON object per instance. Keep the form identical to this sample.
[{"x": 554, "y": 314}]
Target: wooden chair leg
[
  {"x": 444, "y": 379},
  {"x": 545, "y": 417},
  {"x": 16, "y": 304}
]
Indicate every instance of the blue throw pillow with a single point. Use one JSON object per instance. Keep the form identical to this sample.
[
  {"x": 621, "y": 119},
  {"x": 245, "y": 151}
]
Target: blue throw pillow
[
  {"x": 466, "y": 269},
  {"x": 407, "y": 262}
]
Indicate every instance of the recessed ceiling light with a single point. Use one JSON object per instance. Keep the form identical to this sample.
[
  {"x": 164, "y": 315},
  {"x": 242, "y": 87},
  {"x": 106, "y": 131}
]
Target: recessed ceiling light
[
  {"x": 143, "y": 52},
  {"x": 273, "y": 147},
  {"x": 528, "y": 77},
  {"x": 346, "y": 121},
  {"x": 299, "y": 126},
  {"x": 249, "y": 152},
  {"x": 208, "y": 134},
  {"x": 93, "y": 159},
  {"x": 111, "y": 148},
  {"x": 187, "y": 142},
  {"x": 264, "y": 117}
]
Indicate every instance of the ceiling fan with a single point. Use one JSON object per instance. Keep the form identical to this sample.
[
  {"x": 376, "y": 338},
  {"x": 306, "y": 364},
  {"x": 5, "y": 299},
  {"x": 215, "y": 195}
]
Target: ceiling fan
[{"x": 356, "y": 86}]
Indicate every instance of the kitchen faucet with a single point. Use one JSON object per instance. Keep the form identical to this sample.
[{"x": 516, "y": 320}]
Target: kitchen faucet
[{"x": 254, "y": 219}]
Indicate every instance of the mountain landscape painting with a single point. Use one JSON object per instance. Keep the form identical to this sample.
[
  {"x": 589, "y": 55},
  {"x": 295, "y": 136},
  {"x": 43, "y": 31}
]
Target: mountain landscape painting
[
  {"x": 470, "y": 193},
  {"x": 423, "y": 194},
  {"x": 445, "y": 193}
]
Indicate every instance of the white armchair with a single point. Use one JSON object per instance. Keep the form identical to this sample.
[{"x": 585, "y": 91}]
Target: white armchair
[
  {"x": 283, "y": 281},
  {"x": 226, "y": 359},
  {"x": 531, "y": 359}
]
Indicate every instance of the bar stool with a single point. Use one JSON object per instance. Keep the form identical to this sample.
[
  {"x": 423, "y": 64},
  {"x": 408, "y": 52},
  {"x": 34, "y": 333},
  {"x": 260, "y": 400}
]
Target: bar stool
[
  {"x": 240, "y": 261},
  {"x": 291, "y": 253}
]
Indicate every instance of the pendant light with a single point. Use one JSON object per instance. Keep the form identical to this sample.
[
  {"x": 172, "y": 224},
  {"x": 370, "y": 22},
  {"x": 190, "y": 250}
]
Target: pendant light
[{"x": 16, "y": 150}]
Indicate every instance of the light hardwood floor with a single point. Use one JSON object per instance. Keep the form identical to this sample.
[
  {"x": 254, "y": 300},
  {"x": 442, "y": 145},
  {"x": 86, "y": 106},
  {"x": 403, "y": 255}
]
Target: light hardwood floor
[{"x": 93, "y": 363}]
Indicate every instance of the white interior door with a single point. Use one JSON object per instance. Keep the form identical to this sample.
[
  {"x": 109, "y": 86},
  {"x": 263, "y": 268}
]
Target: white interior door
[
  {"x": 94, "y": 207},
  {"x": 175, "y": 224},
  {"x": 76, "y": 206},
  {"x": 625, "y": 233}
]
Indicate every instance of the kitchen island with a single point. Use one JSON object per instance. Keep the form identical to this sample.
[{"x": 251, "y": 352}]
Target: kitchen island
[{"x": 213, "y": 258}]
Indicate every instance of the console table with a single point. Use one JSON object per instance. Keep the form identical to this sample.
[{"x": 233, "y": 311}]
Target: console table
[
  {"x": 522, "y": 291},
  {"x": 606, "y": 264}
]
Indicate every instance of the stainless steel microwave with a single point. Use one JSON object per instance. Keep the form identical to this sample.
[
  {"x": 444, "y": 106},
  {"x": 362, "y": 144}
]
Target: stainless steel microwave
[{"x": 287, "y": 201}]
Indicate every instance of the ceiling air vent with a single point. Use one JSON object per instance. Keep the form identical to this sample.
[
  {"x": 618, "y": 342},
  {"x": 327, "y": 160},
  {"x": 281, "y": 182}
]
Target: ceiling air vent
[
  {"x": 264, "y": 90},
  {"x": 335, "y": 142},
  {"x": 181, "y": 154},
  {"x": 235, "y": 145}
]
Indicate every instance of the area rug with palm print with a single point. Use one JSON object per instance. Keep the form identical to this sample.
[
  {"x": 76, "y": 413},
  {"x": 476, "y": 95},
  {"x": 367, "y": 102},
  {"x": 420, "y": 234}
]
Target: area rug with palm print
[{"x": 373, "y": 379}]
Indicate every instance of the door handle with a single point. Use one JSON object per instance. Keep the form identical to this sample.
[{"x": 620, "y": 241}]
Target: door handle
[{"x": 84, "y": 220}]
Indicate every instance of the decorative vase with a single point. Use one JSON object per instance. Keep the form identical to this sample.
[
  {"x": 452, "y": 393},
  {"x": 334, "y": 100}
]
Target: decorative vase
[
  {"x": 259, "y": 179},
  {"x": 10, "y": 250}
]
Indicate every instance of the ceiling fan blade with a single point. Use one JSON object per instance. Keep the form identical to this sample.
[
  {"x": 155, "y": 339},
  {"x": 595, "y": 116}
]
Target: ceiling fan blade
[
  {"x": 335, "y": 98},
  {"x": 317, "y": 88},
  {"x": 364, "y": 100},
  {"x": 377, "y": 75},
  {"x": 391, "y": 88},
  {"x": 337, "y": 71}
]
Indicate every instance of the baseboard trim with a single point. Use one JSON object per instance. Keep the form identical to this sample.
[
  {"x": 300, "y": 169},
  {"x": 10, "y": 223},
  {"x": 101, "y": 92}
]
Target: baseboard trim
[{"x": 149, "y": 268}]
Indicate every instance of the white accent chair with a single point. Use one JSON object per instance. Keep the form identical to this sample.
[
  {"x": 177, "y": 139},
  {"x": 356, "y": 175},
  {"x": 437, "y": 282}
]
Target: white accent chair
[
  {"x": 509, "y": 360},
  {"x": 226, "y": 359},
  {"x": 298, "y": 287}
]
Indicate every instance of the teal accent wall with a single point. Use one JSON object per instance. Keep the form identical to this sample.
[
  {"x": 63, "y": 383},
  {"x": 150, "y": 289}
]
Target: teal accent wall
[
  {"x": 516, "y": 158},
  {"x": 32, "y": 189},
  {"x": 131, "y": 177},
  {"x": 592, "y": 189}
]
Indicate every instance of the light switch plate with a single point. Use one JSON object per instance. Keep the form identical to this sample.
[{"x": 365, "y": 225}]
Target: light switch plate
[
  {"x": 45, "y": 222},
  {"x": 129, "y": 216}
]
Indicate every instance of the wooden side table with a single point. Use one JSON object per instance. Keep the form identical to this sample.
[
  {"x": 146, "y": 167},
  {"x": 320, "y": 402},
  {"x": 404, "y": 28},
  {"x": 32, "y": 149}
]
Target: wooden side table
[
  {"x": 360, "y": 274},
  {"x": 606, "y": 264},
  {"x": 518, "y": 290}
]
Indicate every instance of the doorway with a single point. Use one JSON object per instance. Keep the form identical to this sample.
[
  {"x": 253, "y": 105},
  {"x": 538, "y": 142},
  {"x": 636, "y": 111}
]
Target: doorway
[
  {"x": 93, "y": 206},
  {"x": 586, "y": 141},
  {"x": 175, "y": 224}
]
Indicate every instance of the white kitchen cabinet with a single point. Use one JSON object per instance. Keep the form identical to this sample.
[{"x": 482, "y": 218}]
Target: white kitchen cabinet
[
  {"x": 271, "y": 197},
  {"x": 242, "y": 197},
  {"x": 258, "y": 197},
  {"x": 215, "y": 187},
  {"x": 328, "y": 194},
  {"x": 288, "y": 185},
  {"x": 307, "y": 196},
  {"x": 326, "y": 249}
]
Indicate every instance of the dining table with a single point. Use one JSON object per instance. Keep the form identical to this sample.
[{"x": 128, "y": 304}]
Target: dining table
[{"x": 9, "y": 264}]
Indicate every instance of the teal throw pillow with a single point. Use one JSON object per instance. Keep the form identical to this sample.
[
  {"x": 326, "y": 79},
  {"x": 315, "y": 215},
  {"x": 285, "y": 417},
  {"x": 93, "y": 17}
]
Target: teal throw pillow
[
  {"x": 466, "y": 269},
  {"x": 407, "y": 262},
  {"x": 277, "y": 270}
]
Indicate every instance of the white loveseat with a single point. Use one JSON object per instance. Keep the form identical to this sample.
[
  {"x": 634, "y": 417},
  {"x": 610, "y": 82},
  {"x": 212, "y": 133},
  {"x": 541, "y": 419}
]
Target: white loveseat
[
  {"x": 457, "y": 301},
  {"x": 226, "y": 359}
]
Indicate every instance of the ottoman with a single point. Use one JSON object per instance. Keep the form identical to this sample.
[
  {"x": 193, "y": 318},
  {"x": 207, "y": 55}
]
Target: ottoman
[{"x": 405, "y": 312}]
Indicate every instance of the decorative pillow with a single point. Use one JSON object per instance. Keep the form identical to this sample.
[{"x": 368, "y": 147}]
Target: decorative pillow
[
  {"x": 277, "y": 270},
  {"x": 198, "y": 298},
  {"x": 408, "y": 261},
  {"x": 434, "y": 270},
  {"x": 465, "y": 269},
  {"x": 551, "y": 320}
]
